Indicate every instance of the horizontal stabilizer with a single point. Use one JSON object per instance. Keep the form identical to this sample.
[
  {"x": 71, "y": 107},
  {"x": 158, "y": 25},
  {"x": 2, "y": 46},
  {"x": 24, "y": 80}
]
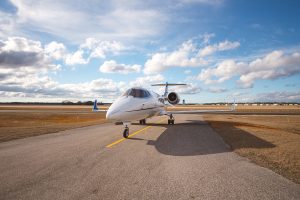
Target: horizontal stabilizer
[
  {"x": 169, "y": 84},
  {"x": 166, "y": 86}
]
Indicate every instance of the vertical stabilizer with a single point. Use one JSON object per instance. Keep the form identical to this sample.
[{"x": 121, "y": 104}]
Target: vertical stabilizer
[
  {"x": 95, "y": 105},
  {"x": 166, "y": 89}
]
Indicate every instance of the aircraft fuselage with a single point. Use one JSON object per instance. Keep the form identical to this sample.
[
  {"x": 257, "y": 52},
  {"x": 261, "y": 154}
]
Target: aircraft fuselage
[{"x": 129, "y": 108}]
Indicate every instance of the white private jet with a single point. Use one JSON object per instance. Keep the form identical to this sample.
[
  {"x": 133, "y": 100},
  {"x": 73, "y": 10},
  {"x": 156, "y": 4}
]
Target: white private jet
[{"x": 139, "y": 104}]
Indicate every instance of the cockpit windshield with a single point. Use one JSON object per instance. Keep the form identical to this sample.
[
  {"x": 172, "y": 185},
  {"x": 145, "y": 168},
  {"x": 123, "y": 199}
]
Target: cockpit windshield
[{"x": 137, "y": 92}]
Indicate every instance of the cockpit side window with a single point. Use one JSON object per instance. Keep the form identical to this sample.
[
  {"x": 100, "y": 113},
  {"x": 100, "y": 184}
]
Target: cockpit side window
[
  {"x": 127, "y": 92},
  {"x": 147, "y": 93}
]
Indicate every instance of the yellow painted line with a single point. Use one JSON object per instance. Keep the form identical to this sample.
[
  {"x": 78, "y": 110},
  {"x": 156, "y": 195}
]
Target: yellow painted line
[{"x": 121, "y": 140}]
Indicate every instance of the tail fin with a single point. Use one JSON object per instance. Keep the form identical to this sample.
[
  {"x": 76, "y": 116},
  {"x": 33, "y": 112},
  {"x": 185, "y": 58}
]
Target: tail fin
[
  {"x": 166, "y": 86},
  {"x": 233, "y": 105},
  {"x": 95, "y": 105}
]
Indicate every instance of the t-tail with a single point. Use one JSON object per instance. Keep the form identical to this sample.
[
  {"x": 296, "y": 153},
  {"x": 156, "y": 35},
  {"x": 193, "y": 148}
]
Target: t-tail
[
  {"x": 172, "y": 98},
  {"x": 167, "y": 86},
  {"x": 95, "y": 108}
]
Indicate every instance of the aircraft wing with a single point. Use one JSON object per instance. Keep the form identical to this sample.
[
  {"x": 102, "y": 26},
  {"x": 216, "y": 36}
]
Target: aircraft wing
[
  {"x": 232, "y": 109},
  {"x": 198, "y": 111},
  {"x": 99, "y": 110}
]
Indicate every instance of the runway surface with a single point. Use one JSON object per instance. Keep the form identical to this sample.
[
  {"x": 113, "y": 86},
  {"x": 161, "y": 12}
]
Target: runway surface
[{"x": 187, "y": 160}]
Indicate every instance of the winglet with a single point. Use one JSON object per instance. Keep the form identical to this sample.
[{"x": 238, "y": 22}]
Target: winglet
[{"x": 95, "y": 108}]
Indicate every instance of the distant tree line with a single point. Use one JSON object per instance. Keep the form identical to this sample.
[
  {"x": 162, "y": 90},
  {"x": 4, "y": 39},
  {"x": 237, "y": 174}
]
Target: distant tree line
[{"x": 65, "y": 102}]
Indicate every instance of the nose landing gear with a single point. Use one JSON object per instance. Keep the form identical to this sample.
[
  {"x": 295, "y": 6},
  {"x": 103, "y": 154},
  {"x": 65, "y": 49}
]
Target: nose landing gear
[
  {"x": 171, "y": 120},
  {"x": 126, "y": 132}
]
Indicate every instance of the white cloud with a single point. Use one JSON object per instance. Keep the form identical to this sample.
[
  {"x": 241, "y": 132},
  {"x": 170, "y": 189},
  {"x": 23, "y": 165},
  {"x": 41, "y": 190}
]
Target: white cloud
[
  {"x": 222, "y": 72},
  {"x": 146, "y": 81},
  {"x": 190, "y": 88},
  {"x": 112, "y": 66},
  {"x": 279, "y": 96},
  {"x": 105, "y": 88},
  {"x": 206, "y": 37},
  {"x": 99, "y": 49},
  {"x": 222, "y": 46},
  {"x": 21, "y": 52},
  {"x": 217, "y": 90},
  {"x": 187, "y": 71},
  {"x": 75, "y": 22},
  {"x": 21, "y": 44},
  {"x": 76, "y": 58},
  {"x": 37, "y": 87},
  {"x": 25, "y": 64},
  {"x": 186, "y": 56},
  {"x": 132, "y": 22},
  {"x": 44, "y": 88},
  {"x": 226, "y": 45},
  {"x": 108, "y": 20},
  {"x": 183, "y": 57},
  {"x": 7, "y": 24},
  {"x": 56, "y": 50},
  {"x": 272, "y": 66},
  {"x": 93, "y": 48},
  {"x": 20, "y": 55}
]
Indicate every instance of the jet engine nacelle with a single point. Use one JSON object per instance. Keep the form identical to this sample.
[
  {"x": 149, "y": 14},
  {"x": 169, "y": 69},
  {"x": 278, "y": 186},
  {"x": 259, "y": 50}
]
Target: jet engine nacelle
[{"x": 173, "y": 98}]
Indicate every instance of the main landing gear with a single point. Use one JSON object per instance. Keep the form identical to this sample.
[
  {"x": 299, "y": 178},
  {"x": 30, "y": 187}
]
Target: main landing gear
[
  {"x": 171, "y": 120},
  {"x": 143, "y": 121},
  {"x": 126, "y": 132}
]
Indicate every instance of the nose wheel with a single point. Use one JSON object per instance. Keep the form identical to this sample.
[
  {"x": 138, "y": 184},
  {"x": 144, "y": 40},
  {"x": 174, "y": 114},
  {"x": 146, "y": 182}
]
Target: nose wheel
[
  {"x": 126, "y": 132},
  {"x": 171, "y": 120}
]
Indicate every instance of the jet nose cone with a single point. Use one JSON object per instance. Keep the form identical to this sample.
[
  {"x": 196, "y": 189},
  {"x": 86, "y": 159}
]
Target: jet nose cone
[
  {"x": 116, "y": 110},
  {"x": 108, "y": 114},
  {"x": 112, "y": 114}
]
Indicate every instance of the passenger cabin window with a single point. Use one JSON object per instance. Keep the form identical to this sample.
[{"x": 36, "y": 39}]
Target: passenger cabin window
[{"x": 138, "y": 93}]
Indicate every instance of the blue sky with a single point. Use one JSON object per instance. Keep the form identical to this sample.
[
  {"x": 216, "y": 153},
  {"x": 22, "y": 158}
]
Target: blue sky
[{"x": 81, "y": 50}]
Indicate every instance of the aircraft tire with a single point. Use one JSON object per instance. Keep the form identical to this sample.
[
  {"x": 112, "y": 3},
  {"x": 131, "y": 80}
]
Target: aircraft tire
[{"x": 126, "y": 133}]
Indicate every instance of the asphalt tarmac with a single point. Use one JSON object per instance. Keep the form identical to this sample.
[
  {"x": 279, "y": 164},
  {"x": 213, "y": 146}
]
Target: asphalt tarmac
[{"x": 187, "y": 160}]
